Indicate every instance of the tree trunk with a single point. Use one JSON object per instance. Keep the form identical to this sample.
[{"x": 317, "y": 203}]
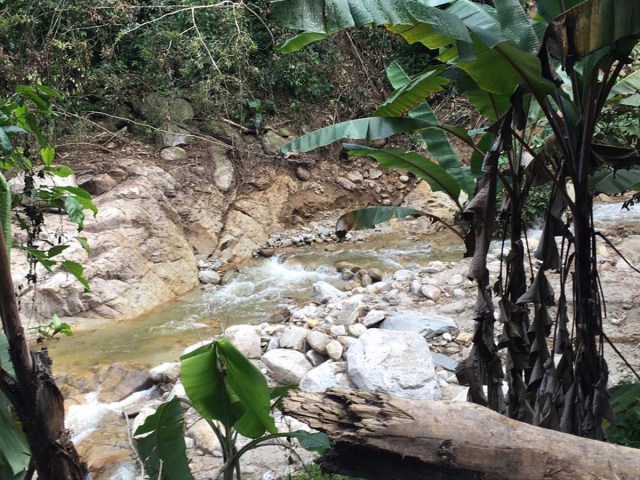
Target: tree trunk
[
  {"x": 379, "y": 437},
  {"x": 34, "y": 394}
]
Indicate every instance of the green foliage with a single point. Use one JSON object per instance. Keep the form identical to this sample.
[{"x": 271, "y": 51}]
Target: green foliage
[
  {"x": 625, "y": 402},
  {"x": 53, "y": 329},
  {"x": 222, "y": 386},
  {"x": 106, "y": 55},
  {"x": 23, "y": 118},
  {"x": 437, "y": 177},
  {"x": 239, "y": 397},
  {"x": 27, "y": 155},
  {"x": 160, "y": 443},
  {"x": 562, "y": 66}
]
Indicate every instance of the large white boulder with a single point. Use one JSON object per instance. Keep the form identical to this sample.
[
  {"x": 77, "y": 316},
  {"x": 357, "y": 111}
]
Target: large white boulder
[
  {"x": 397, "y": 363},
  {"x": 285, "y": 366}
]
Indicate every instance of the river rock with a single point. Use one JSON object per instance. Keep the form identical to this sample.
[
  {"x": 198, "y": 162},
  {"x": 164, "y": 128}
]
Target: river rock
[
  {"x": 303, "y": 174},
  {"x": 158, "y": 108},
  {"x": 167, "y": 372},
  {"x": 346, "y": 341},
  {"x": 274, "y": 342},
  {"x": 172, "y": 154},
  {"x": 357, "y": 329},
  {"x": 346, "y": 183},
  {"x": 396, "y": 363},
  {"x": 324, "y": 292},
  {"x": 350, "y": 310},
  {"x": 373, "y": 318},
  {"x": 431, "y": 292},
  {"x": 120, "y": 380},
  {"x": 204, "y": 436},
  {"x": 271, "y": 142},
  {"x": 315, "y": 358},
  {"x": 294, "y": 337},
  {"x": 335, "y": 350},
  {"x": 337, "y": 330},
  {"x": 347, "y": 266},
  {"x": 424, "y": 323},
  {"x": 375, "y": 274},
  {"x": 355, "y": 176},
  {"x": 224, "y": 174},
  {"x": 285, "y": 366},
  {"x": 374, "y": 173},
  {"x": 452, "y": 308},
  {"x": 403, "y": 275},
  {"x": 416, "y": 287},
  {"x": 443, "y": 361},
  {"x": 456, "y": 279},
  {"x": 318, "y": 341},
  {"x": 175, "y": 136},
  {"x": 246, "y": 339},
  {"x": 464, "y": 338},
  {"x": 435, "y": 266},
  {"x": 209, "y": 277},
  {"x": 325, "y": 376}
]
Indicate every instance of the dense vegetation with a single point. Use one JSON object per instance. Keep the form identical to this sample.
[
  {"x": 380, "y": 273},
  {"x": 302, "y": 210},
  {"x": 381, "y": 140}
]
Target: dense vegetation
[{"x": 104, "y": 56}]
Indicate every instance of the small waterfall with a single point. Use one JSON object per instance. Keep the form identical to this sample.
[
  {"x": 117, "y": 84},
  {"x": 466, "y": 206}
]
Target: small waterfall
[{"x": 84, "y": 419}]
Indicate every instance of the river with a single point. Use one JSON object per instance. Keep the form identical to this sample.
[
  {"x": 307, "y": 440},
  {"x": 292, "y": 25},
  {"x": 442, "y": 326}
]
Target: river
[{"x": 251, "y": 297}]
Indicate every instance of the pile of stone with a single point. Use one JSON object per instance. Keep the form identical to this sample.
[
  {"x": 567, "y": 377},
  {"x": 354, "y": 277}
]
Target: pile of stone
[{"x": 394, "y": 335}]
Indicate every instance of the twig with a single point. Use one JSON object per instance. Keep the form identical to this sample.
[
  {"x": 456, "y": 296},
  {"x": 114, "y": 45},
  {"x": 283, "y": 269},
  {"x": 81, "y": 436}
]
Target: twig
[
  {"x": 136, "y": 457},
  {"x": 617, "y": 251},
  {"x": 170, "y": 14},
  {"x": 615, "y": 349},
  {"x": 237, "y": 125}
]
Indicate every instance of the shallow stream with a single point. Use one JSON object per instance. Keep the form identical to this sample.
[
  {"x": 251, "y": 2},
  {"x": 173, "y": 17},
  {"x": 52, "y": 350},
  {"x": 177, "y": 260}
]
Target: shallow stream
[{"x": 252, "y": 297}]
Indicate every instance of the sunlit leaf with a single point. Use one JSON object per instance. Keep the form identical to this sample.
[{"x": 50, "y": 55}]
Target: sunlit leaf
[
  {"x": 250, "y": 385},
  {"x": 203, "y": 380},
  {"x": 48, "y": 154},
  {"x": 373, "y": 128}
]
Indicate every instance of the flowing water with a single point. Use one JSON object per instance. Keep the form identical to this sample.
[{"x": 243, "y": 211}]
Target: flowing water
[{"x": 251, "y": 297}]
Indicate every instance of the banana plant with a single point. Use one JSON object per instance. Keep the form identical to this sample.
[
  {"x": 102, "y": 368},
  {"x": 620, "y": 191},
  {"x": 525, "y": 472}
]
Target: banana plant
[
  {"x": 565, "y": 64},
  {"x": 232, "y": 396}
]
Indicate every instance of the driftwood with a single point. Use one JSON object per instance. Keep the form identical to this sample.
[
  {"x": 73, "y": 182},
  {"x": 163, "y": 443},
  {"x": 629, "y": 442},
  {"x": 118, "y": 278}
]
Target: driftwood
[{"x": 382, "y": 438}]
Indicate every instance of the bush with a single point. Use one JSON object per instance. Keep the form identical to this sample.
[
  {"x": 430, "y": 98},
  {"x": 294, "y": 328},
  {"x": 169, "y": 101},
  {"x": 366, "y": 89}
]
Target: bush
[{"x": 104, "y": 54}]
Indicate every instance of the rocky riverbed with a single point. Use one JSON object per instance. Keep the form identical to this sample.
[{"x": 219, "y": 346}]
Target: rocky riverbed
[{"x": 400, "y": 333}]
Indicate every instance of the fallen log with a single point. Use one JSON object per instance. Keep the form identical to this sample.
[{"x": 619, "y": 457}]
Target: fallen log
[{"x": 378, "y": 437}]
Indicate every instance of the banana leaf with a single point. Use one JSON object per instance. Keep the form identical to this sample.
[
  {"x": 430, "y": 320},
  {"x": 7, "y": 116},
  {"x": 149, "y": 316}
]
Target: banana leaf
[
  {"x": 160, "y": 443},
  {"x": 372, "y": 128}
]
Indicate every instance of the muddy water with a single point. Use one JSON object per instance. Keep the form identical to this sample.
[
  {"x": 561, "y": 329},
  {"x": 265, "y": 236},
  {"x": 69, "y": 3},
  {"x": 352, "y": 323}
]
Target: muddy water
[{"x": 251, "y": 297}]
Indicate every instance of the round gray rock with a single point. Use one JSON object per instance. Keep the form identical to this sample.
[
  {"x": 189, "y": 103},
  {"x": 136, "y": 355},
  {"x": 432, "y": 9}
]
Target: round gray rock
[
  {"x": 287, "y": 367},
  {"x": 393, "y": 362}
]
